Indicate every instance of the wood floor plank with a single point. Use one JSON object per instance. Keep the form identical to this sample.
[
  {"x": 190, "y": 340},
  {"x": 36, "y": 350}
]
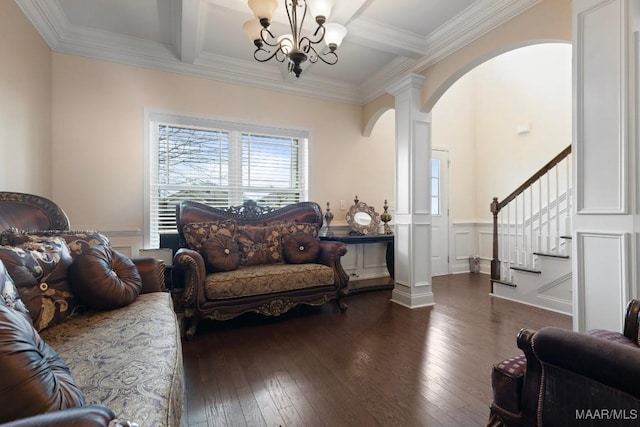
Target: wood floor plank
[{"x": 378, "y": 364}]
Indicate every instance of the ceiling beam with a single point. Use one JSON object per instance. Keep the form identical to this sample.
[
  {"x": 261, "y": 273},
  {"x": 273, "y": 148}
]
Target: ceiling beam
[
  {"x": 344, "y": 11},
  {"x": 190, "y": 24}
]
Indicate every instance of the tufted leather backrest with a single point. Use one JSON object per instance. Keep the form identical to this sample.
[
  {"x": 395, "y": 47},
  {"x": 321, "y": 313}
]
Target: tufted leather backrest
[
  {"x": 30, "y": 212},
  {"x": 188, "y": 211}
]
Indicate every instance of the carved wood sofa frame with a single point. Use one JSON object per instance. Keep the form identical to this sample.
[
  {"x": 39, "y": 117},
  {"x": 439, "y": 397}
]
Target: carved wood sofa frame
[{"x": 189, "y": 270}]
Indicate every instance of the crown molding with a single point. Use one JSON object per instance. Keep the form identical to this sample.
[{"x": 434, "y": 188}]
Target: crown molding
[
  {"x": 47, "y": 18},
  {"x": 367, "y": 32},
  {"x": 61, "y": 37},
  {"x": 417, "y": 53},
  {"x": 477, "y": 20},
  {"x": 253, "y": 74}
]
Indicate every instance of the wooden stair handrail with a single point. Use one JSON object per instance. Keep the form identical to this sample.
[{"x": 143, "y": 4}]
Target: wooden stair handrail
[
  {"x": 496, "y": 206},
  {"x": 536, "y": 176}
]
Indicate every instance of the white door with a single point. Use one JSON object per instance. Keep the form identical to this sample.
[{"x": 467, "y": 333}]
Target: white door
[{"x": 439, "y": 212}]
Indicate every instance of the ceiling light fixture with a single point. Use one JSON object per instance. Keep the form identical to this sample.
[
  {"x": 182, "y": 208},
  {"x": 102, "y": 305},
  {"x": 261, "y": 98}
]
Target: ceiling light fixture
[{"x": 294, "y": 47}]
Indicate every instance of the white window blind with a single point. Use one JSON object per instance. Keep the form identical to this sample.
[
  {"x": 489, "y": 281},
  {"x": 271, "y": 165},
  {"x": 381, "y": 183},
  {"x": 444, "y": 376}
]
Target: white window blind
[{"x": 220, "y": 164}]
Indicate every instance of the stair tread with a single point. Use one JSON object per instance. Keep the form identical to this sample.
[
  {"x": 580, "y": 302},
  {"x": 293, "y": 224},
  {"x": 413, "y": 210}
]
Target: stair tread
[
  {"x": 504, "y": 282},
  {"x": 551, "y": 255},
  {"x": 526, "y": 270}
]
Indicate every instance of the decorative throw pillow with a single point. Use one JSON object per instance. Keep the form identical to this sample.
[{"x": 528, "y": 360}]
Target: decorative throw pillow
[
  {"x": 77, "y": 241},
  {"x": 34, "y": 380},
  {"x": 9, "y": 295},
  {"x": 300, "y": 248},
  {"x": 220, "y": 253},
  {"x": 39, "y": 271},
  {"x": 259, "y": 244},
  {"x": 196, "y": 233},
  {"x": 103, "y": 278},
  {"x": 304, "y": 227}
]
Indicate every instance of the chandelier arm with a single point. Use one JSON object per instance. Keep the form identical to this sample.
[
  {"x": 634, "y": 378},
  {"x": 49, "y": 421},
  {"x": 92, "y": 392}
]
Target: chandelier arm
[
  {"x": 270, "y": 55},
  {"x": 300, "y": 48},
  {"x": 329, "y": 58},
  {"x": 272, "y": 37},
  {"x": 317, "y": 39}
]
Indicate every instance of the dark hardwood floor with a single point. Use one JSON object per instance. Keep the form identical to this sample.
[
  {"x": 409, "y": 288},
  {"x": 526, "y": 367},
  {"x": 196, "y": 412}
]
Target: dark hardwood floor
[{"x": 378, "y": 364}]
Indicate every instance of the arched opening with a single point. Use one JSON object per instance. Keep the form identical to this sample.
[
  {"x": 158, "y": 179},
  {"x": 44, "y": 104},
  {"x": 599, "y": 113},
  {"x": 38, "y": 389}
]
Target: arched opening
[
  {"x": 501, "y": 121},
  {"x": 497, "y": 117}
]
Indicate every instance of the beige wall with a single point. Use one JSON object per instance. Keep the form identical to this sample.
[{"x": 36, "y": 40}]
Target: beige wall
[
  {"x": 528, "y": 86},
  {"x": 98, "y": 137},
  {"x": 25, "y": 105},
  {"x": 453, "y": 128}
]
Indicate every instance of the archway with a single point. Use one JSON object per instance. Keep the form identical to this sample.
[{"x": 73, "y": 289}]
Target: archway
[
  {"x": 501, "y": 122},
  {"x": 437, "y": 93}
]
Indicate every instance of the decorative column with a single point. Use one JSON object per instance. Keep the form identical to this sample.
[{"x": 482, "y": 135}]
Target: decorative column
[{"x": 413, "y": 196}]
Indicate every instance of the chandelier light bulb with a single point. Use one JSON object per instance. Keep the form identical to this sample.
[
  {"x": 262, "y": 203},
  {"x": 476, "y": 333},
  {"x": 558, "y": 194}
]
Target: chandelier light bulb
[
  {"x": 320, "y": 9},
  {"x": 286, "y": 43},
  {"x": 334, "y": 34}
]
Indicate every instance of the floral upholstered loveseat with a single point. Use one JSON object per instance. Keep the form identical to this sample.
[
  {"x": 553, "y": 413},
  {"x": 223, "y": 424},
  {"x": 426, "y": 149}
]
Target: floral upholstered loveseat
[
  {"x": 87, "y": 335},
  {"x": 252, "y": 258}
]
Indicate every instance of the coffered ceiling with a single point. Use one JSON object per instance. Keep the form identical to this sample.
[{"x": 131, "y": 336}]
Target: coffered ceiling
[{"x": 386, "y": 38}]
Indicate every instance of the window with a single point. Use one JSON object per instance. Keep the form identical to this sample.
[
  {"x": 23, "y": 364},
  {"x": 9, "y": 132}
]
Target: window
[
  {"x": 219, "y": 164},
  {"x": 435, "y": 187}
]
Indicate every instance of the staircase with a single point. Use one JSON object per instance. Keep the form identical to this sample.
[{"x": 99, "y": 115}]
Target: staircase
[{"x": 532, "y": 239}]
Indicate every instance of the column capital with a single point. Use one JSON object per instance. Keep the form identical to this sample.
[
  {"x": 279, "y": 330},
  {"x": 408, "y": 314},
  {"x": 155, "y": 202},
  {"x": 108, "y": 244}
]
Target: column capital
[{"x": 409, "y": 82}]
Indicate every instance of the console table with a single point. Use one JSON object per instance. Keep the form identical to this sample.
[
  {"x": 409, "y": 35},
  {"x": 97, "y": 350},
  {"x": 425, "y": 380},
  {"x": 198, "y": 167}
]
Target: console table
[{"x": 342, "y": 235}]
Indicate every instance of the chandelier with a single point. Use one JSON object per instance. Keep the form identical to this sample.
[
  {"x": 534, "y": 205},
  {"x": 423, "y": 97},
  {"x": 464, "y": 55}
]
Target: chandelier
[{"x": 295, "y": 47}]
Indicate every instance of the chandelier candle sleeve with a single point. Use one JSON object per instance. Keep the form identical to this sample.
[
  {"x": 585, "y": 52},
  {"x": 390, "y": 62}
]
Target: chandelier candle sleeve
[{"x": 296, "y": 47}]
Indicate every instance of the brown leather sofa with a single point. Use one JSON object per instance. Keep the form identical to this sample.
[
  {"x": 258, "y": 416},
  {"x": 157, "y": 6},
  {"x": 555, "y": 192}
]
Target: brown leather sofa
[
  {"x": 69, "y": 360},
  {"x": 268, "y": 277},
  {"x": 566, "y": 378}
]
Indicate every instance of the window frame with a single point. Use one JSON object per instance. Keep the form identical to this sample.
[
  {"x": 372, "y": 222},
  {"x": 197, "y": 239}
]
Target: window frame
[{"x": 154, "y": 117}]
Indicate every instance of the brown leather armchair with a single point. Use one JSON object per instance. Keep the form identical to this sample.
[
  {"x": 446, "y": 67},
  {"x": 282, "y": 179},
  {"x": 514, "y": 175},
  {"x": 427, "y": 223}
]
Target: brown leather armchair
[{"x": 566, "y": 378}]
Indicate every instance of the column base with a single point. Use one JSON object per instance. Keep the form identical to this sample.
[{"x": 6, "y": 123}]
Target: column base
[{"x": 408, "y": 300}]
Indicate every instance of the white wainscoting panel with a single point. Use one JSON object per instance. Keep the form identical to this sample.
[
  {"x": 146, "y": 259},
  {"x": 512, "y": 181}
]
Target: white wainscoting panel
[
  {"x": 601, "y": 106},
  {"x": 402, "y": 245},
  {"x": 127, "y": 240},
  {"x": 485, "y": 241},
  {"x": 603, "y": 285},
  {"x": 422, "y": 251},
  {"x": 462, "y": 239},
  {"x": 468, "y": 239}
]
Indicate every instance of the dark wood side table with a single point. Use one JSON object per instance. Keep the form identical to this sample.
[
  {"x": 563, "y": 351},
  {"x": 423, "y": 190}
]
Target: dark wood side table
[{"x": 342, "y": 235}]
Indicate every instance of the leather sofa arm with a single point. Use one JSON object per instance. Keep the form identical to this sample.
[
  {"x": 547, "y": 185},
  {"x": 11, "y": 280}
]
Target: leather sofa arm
[
  {"x": 330, "y": 254},
  {"x": 152, "y": 272},
  {"x": 569, "y": 372},
  {"x": 606, "y": 362},
  {"x": 84, "y": 416},
  {"x": 189, "y": 268},
  {"x": 532, "y": 377},
  {"x": 632, "y": 321}
]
